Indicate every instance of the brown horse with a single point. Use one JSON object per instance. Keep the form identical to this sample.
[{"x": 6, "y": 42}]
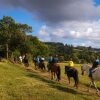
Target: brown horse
[{"x": 55, "y": 71}]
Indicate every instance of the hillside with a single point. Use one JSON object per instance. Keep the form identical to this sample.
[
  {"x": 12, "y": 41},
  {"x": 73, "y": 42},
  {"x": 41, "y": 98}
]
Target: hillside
[{"x": 16, "y": 83}]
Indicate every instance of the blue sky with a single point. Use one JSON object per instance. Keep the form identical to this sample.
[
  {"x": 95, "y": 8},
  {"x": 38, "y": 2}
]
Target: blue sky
[
  {"x": 56, "y": 21},
  {"x": 97, "y": 2},
  {"x": 22, "y": 16}
]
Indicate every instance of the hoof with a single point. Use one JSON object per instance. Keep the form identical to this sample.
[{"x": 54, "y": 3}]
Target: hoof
[{"x": 98, "y": 93}]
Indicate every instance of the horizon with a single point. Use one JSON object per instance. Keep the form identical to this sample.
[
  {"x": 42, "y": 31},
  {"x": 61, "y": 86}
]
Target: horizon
[{"x": 56, "y": 21}]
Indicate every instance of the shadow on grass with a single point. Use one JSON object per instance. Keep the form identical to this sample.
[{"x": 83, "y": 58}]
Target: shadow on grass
[{"x": 54, "y": 84}]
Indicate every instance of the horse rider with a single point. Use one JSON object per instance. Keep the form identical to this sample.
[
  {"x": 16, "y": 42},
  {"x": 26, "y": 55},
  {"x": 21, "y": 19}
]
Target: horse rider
[
  {"x": 95, "y": 65},
  {"x": 55, "y": 68},
  {"x": 55, "y": 59},
  {"x": 50, "y": 59},
  {"x": 37, "y": 60},
  {"x": 42, "y": 64},
  {"x": 71, "y": 63},
  {"x": 20, "y": 58},
  {"x": 34, "y": 61},
  {"x": 26, "y": 60}
]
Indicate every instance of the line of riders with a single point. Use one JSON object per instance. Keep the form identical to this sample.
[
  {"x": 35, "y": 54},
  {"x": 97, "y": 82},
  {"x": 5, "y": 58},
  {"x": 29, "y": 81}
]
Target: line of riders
[
  {"x": 39, "y": 62},
  {"x": 53, "y": 61},
  {"x": 70, "y": 69}
]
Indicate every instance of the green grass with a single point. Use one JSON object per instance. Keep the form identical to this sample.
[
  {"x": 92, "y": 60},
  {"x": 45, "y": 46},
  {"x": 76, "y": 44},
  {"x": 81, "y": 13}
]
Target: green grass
[{"x": 18, "y": 84}]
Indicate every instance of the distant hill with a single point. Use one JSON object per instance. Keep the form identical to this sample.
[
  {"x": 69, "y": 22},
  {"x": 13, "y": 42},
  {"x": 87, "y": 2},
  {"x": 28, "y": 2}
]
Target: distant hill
[{"x": 86, "y": 54}]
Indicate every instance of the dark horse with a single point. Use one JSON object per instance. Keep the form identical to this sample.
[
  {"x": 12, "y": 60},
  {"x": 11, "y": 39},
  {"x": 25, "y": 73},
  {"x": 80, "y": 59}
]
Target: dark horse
[
  {"x": 55, "y": 70},
  {"x": 25, "y": 61},
  {"x": 72, "y": 72},
  {"x": 42, "y": 65}
]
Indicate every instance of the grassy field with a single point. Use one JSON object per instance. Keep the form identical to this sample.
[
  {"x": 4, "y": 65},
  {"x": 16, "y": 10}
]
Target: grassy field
[{"x": 16, "y": 83}]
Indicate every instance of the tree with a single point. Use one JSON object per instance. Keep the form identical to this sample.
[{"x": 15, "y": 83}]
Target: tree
[{"x": 12, "y": 34}]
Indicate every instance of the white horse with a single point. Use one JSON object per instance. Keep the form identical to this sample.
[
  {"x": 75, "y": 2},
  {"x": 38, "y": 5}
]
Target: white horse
[{"x": 95, "y": 75}]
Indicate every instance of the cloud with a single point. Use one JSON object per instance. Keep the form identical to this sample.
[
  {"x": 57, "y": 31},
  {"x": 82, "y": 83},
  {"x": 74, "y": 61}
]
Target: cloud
[
  {"x": 76, "y": 33},
  {"x": 54, "y": 11},
  {"x": 70, "y": 21}
]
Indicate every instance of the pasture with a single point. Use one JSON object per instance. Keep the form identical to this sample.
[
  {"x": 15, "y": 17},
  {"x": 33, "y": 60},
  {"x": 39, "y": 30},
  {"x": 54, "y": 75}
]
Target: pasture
[{"x": 16, "y": 83}]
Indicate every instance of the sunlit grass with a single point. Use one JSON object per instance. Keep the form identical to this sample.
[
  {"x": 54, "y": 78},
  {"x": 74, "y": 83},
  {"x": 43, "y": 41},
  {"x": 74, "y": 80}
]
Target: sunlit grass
[{"x": 18, "y": 84}]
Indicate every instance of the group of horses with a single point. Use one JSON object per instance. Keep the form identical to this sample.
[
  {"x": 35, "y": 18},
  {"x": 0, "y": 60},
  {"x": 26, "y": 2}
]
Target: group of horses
[{"x": 55, "y": 70}]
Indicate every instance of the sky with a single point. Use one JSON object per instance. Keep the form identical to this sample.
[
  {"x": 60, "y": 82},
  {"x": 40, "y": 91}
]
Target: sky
[{"x": 75, "y": 22}]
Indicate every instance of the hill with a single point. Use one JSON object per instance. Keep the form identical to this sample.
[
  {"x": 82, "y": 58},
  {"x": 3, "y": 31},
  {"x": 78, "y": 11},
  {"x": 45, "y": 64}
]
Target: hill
[{"x": 16, "y": 83}]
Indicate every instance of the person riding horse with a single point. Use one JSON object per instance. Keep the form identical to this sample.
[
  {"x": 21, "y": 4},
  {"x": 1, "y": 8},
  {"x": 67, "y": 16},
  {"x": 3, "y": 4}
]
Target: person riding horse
[
  {"x": 55, "y": 68},
  {"x": 26, "y": 63},
  {"x": 34, "y": 59},
  {"x": 41, "y": 64},
  {"x": 72, "y": 72},
  {"x": 49, "y": 63},
  {"x": 95, "y": 65},
  {"x": 37, "y": 61},
  {"x": 70, "y": 63}
]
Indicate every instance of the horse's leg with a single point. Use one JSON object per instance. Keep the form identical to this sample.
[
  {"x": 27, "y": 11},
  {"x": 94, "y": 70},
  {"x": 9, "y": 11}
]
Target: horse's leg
[
  {"x": 90, "y": 86},
  {"x": 58, "y": 76},
  {"x": 55, "y": 75},
  {"x": 76, "y": 83},
  {"x": 44, "y": 67},
  {"x": 51, "y": 75},
  {"x": 35, "y": 64},
  {"x": 97, "y": 91},
  {"x": 68, "y": 81}
]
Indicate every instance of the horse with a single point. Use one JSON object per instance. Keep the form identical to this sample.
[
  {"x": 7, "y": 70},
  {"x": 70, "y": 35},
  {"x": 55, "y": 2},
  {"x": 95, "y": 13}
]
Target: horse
[
  {"x": 95, "y": 75},
  {"x": 36, "y": 64},
  {"x": 41, "y": 65},
  {"x": 55, "y": 71},
  {"x": 25, "y": 61},
  {"x": 72, "y": 72}
]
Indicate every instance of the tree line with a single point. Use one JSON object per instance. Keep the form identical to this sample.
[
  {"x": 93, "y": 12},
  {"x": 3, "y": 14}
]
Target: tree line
[
  {"x": 79, "y": 54},
  {"x": 15, "y": 40}
]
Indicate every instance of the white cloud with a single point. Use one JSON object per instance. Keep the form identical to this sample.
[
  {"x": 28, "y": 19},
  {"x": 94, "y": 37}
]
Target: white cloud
[
  {"x": 42, "y": 31},
  {"x": 68, "y": 21},
  {"x": 80, "y": 33}
]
